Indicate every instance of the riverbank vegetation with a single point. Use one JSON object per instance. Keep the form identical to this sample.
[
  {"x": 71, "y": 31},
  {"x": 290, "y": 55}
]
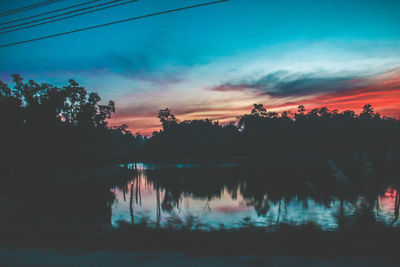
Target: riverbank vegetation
[{"x": 49, "y": 127}]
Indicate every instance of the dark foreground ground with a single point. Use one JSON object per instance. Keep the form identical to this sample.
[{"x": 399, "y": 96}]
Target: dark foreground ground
[
  {"x": 367, "y": 245},
  {"x": 75, "y": 257}
]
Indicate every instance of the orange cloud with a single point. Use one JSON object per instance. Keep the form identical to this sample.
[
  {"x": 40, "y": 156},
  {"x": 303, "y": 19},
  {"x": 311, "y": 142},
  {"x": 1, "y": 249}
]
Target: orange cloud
[{"x": 382, "y": 92}]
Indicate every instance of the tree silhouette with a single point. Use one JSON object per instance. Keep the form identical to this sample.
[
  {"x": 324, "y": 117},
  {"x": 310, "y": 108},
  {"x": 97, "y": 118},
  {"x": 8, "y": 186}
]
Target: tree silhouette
[
  {"x": 167, "y": 119},
  {"x": 262, "y": 132},
  {"x": 50, "y": 127}
]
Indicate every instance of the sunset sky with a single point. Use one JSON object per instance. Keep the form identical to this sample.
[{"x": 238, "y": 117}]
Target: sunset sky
[{"x": 216, "y": 61}]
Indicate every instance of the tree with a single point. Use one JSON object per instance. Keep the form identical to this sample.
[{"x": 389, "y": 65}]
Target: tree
[
  {"x": 46, "y": 125},
  {"x": 167, "y": 119},
  {"x": 258, "y": 110},
  {"x": 368, "y": 112}
]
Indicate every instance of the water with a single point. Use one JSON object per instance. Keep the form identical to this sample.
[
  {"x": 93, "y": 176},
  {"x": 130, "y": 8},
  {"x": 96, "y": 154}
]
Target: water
[{"x": 229, "y": 196}]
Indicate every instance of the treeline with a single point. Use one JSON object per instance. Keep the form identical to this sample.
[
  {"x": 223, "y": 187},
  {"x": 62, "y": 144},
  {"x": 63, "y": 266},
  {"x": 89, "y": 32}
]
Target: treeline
[
  {"x": 261, "y": 132},
  {"x": 45, "y": 127}
]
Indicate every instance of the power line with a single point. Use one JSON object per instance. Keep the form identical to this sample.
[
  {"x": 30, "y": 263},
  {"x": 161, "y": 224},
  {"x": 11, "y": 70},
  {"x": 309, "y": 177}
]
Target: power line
[
  {"x": 12, "y": 11},
  {"x": 114, "y": 22},
  {"x": 59, "y": 15},
  {"x": 49, "y": 12},
  {"x": 67, "y": 17},
  {"x": 25, "y": 8}
]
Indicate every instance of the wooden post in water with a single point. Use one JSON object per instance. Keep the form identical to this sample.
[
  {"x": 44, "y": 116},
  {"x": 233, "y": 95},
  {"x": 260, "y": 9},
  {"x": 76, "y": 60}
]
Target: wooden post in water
[
  {"x": 158, "y": 206},
  {"x": 131, "y": 205},
  {"x": 279, "y": 211},
  {"x": 123, "y": 193}
]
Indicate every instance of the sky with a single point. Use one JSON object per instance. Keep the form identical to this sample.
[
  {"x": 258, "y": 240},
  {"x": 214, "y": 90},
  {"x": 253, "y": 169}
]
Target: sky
[{"x": 216, "y": 61}]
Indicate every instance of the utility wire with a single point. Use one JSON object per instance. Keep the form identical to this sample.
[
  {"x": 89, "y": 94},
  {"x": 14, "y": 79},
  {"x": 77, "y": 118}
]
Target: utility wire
[
  {"x": 29, "y": 25},
  {"x": 114, "y": 22},
  {"x": 16, "y": 10},
  {"x": 49, "y": 12},
  {"x": 25, "y": 8}
]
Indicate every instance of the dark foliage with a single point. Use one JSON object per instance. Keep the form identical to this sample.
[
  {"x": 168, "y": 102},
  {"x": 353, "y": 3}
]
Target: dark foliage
[
  {"x": 44, "y": 126},
  {"x": 261, "y": 133}
]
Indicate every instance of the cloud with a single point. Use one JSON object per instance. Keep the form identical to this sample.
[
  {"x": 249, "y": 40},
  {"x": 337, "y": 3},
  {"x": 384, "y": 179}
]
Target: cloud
[
  {"x": 285, "y": 84},
  {"x": 142, "y": 80},
  {"x": 382, "y": 91},
  {"x": 144, "y": 67},
  {"x": 278, "y": 91}
]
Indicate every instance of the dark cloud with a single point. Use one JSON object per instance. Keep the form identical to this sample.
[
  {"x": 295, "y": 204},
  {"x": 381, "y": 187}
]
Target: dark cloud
[
  {"x": 284, "y": 84},
  {"x": 144, "y": 67}
]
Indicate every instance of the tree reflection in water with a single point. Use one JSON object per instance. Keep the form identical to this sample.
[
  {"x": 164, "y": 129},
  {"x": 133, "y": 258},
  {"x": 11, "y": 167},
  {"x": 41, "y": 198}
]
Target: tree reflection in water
[{"x": 332, "y": 193}]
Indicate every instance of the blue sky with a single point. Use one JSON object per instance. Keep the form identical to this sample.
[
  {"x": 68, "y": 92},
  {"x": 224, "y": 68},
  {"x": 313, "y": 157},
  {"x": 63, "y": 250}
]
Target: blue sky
[{"x": 176, "y": 59}]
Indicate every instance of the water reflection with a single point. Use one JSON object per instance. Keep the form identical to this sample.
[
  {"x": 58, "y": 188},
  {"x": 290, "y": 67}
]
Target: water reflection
[{"x": 330, "y": 194}]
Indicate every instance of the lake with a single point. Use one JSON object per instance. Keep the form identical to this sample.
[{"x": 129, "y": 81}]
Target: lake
[{"x": 327, "y": 193}]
